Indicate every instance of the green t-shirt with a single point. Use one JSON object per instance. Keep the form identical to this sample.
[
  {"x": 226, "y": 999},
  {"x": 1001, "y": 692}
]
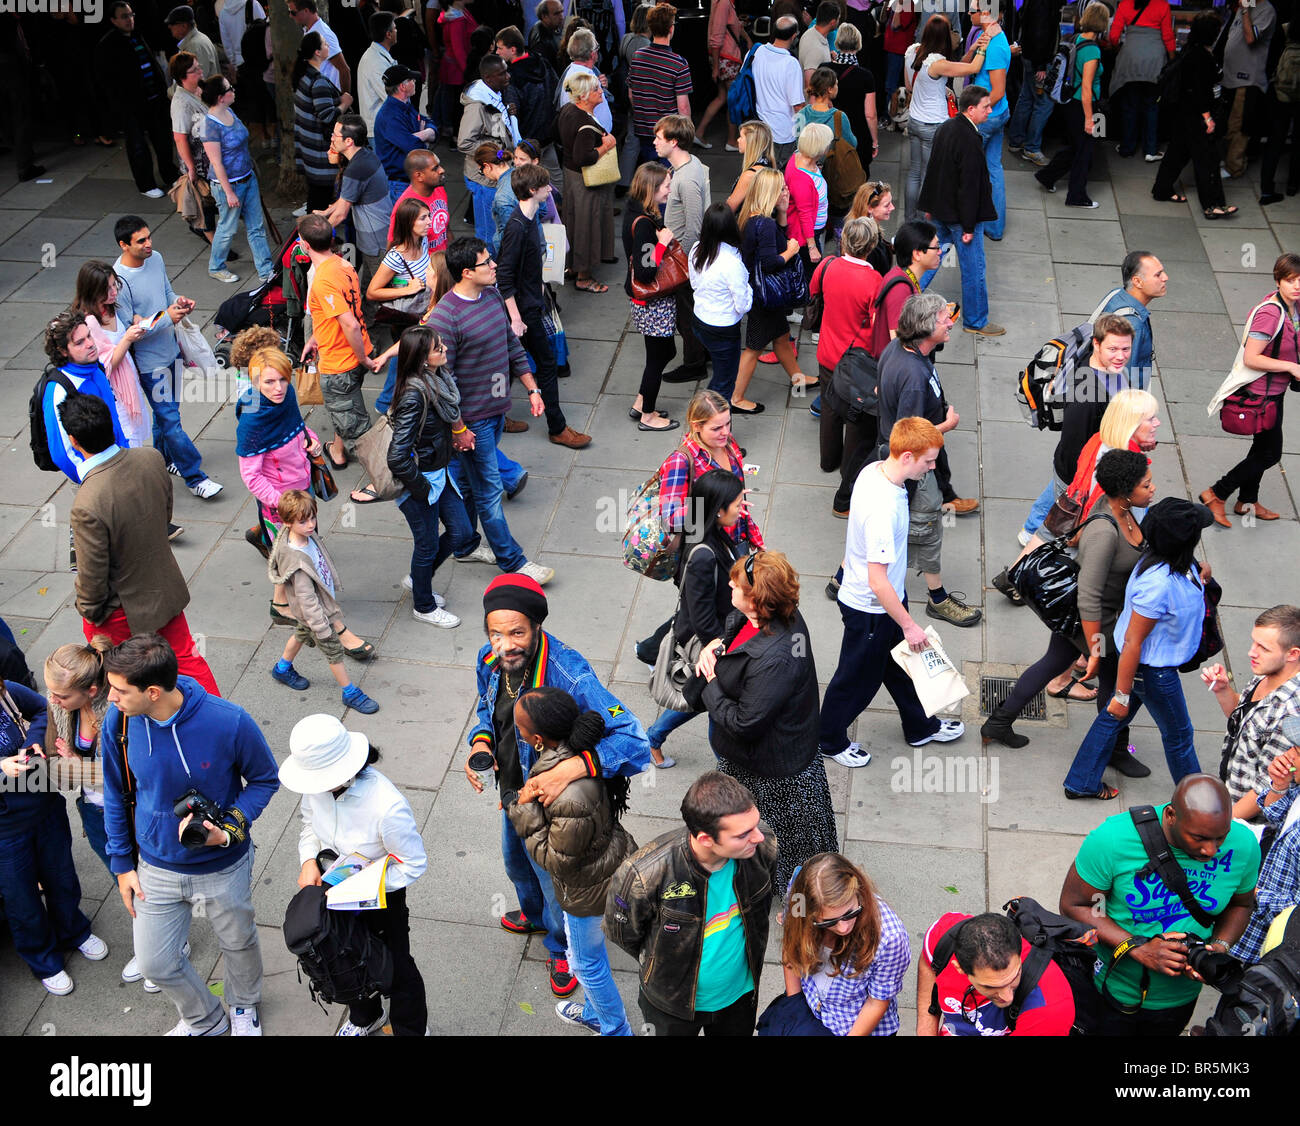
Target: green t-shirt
[
  {"x": 724, "y": 976},
  {"x": 1111, "y": 857},
  {"x": 1086, "y": 50}
]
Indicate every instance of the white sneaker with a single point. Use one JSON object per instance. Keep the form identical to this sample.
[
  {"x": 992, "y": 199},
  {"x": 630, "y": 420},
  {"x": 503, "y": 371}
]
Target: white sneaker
[
  {"x": 94, "y": 948},
  {"x": 299, "y": 212},
  {"x": 133, "y": 968},
  {"x": 437, "y": 598},
  {"x": 535, "y": 571},
  {"x": 206, "y": 489},
  {"x": 949, "y": 729},
  {"x": 731, "y": 148},
  {"x": 1154, "y": 157},
  {"x": 854, "y": 755},
  {"x": 154, "y": 193},
  {"x": 481, "y": 554},
  {"x": 702, "y": 144},
  {"x": 223, "y": 276},
  {"x": 245, "y": 1022},
  {"x": 1024, "y": 537},
  {"x": 183, "y": 1028},
  {"x": 347, "y": 1028},
  {"x": 444, "y": 619},
  {"x": 60, "y": 984},
  {"x": 171, "y": 468},
  {"x": 131, "y": 972}
]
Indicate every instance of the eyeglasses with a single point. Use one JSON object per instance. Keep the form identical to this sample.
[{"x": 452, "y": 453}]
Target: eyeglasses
[
  {"x": 934, "y": 246},
  {"x": 826, "y": 924},
  {"x": 488, "y": 261}
]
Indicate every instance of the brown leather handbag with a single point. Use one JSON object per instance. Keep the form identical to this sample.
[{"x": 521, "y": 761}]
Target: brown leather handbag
[{"x": 669, "y": 278}]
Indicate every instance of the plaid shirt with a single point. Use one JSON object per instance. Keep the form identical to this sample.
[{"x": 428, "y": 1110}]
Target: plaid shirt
[
  {"x": 881, "y": 981},
  {"x": 1279, "y": 878},
  {"x": 1259, "y": 740},
  {"x": 674, "y": 487}
]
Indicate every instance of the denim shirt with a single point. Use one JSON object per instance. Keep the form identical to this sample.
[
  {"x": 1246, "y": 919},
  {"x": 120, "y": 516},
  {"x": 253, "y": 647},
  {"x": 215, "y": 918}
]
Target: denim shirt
[
  {"x": 1177, "y": 605},
  {"x": 624, "y": 750},
  {"x": 1139, "y": 316}
]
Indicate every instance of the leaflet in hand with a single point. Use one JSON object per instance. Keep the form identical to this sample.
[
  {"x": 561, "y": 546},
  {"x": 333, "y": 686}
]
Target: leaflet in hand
[{"x": 356, "y": 883}]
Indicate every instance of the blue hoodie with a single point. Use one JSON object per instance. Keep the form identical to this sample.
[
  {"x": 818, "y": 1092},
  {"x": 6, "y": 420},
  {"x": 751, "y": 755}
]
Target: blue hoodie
[
  {"x": 20, "y": 809},
  {"x": 211, "y": 745}
]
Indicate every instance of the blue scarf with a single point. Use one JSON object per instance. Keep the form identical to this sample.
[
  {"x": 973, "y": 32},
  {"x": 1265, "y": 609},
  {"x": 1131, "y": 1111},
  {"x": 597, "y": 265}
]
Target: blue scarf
[
  {"x": 263, "y": 425},
  {"x": 82, "y": 371}
]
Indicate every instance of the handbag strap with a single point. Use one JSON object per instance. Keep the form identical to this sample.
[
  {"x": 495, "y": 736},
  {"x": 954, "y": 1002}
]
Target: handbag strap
[{"x": 13, "y": 711}]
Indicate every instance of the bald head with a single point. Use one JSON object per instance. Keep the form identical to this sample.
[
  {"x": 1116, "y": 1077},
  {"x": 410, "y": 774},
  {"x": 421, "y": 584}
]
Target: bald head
[
  {"x": 1202, "y": 794},
  {"x": 1199, "y": 815}
]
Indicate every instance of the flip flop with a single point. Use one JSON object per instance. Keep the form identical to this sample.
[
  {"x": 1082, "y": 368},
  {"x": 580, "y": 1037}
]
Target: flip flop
[
  {"x": 593, "y": 286},
  {"x": 1068, "y": 694},
  {"x": 369, "y": 493},
  {"x": 329, "y": 455}
]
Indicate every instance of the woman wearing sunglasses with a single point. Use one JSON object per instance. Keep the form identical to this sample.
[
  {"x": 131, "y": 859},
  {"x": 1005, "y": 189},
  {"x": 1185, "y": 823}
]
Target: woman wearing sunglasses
[{"x": 844, "y": 953}]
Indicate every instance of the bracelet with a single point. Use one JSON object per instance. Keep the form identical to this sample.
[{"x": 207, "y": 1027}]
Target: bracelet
[
  {"x": 534, "y": 390},
  {"x": 461, "y": 430},
  {"x": 1275, "y": 790}
]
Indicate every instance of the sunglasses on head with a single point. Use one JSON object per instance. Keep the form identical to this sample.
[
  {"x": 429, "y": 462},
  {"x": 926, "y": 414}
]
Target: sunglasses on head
[
  {"x": 749, "y": 567},
  {"x": 877, "y": 190}
]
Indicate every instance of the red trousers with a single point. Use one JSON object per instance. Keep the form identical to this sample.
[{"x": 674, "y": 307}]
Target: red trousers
[{"x": 177, "y": 634}]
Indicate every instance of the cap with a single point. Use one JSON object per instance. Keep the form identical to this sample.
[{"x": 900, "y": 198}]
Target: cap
[
  {"x": 183, "y": 13},
  {"x": 396, "y": 75},
  {"x": 516, "y": 592},
  {"x": 1172, "y": 523}
]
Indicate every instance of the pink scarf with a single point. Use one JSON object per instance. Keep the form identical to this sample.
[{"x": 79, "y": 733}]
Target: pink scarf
[{"x": 124, "y": 379}]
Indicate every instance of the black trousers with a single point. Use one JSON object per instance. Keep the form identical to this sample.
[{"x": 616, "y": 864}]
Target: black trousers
[
  {"x": 147, "y": 125},
  {"x": 1264, "y": 453},
  {"x": 737, "y": 1019},
  {"x": 1283, "y": 115},
  {"x": 1075, "y": 158},
  {"x": 846, "y": 446},
  {"x": 407, "y": 1010},
  {"x": 1105, "y": 1021},
  {"x": 1188, "y": 140},
  {"x": 543, "y": 353},
  {"x": 659, "y": 351},
  {"x": 694, "y": 354}
]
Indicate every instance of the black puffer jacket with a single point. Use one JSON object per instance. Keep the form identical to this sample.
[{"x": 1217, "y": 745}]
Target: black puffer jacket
[
  {"x": 763, "y": 699},
  {"x": 535, "y": 83},
  {"x": 417, "y": 449}
]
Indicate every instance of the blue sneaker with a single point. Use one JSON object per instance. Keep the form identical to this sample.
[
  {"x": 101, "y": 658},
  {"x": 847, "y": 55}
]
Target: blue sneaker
[
  {"x": 358, "y": 701},
  {"x": 571, "y": 1013},
  {"x": 815, "y": 407},
  {"x": 290, "y": 678}
]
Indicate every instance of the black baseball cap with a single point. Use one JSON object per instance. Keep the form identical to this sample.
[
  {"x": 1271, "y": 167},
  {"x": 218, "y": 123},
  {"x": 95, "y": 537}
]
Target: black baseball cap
[{"x": 396, "y": 75}]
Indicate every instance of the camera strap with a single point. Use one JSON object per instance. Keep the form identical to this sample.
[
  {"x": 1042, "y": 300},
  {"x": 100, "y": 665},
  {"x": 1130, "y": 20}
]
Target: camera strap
[{"x": 1162, "y": 863}]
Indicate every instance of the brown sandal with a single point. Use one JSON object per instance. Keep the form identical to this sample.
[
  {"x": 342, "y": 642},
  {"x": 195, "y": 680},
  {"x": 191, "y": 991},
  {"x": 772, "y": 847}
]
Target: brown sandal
[{"x": 1106, "y": 793}]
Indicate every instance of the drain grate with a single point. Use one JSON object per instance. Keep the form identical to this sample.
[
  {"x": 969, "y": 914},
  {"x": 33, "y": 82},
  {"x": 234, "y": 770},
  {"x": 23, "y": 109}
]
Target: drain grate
[{"x": 995, "y": 689}]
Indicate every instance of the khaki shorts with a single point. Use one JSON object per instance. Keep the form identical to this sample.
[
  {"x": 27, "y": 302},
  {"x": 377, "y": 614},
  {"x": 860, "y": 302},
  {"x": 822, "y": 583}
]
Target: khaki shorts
[
  {"x": 925, "y": 530},
  {"x": 331, "y": 647}
]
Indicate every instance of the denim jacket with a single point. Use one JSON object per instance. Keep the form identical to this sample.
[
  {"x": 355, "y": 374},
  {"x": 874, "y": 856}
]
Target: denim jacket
[{"x": 625, "y": 750}]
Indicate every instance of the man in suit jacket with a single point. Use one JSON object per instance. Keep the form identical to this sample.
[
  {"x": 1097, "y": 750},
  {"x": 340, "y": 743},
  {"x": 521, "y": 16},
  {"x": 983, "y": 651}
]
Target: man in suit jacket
[
  {"x": 958, "y": 197},
  {"x": 128, "y": 581}
]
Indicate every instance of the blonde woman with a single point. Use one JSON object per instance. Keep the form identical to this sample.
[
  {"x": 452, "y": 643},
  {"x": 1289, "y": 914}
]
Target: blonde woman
[
  {"x": 756, "y": 151},
  {"x": 809, "y": 196}
]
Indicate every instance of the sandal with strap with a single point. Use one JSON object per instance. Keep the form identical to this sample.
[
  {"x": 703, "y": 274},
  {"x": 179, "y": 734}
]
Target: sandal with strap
[
  {"x": 1175, "y": 198},
  {"x": 1220, "y": 212},
  {"x": 362, "y": 652},
  {"x": 1068, "y": 692},
  {"x": 281, "y": 619},
  {"x": 1106, "y": 793}
]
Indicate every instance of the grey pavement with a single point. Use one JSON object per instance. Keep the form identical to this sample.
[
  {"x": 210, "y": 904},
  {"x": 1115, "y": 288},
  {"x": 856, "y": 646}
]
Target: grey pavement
[{"x": 997, "y": 826}]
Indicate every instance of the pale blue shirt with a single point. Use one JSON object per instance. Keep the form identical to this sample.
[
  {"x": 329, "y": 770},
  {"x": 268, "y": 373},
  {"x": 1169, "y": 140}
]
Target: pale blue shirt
[{"x": 1176, "y": 603}]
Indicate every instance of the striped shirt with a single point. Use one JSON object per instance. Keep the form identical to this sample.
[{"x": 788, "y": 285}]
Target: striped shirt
[
  {"x": 315, "y": 109},
  {"x": 482, "y": 351},
  {"x": 657, "y": 75}
]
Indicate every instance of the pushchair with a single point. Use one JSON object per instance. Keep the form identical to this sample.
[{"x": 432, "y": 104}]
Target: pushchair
[{"x": 279, "y": 303}]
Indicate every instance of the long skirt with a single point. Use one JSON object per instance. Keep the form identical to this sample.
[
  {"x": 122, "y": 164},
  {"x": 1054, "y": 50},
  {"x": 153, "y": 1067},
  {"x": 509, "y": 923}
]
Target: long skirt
[{"x": 589, "y": 221}]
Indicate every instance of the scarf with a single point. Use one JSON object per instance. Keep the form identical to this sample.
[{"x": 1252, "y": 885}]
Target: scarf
[
  {"x": 440, "y": 384},
  {"x": 845, "y": 58},
  {"x": 262, "y": 425},
  {"x": 124, "y": 379},
  {"x": 480, "y": 91}
]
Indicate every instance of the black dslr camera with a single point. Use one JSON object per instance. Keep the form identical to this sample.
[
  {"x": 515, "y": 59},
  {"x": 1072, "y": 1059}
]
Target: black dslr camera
[
  {"x": 194, "y": 835},
  {"x": 1220, "y": 971}
]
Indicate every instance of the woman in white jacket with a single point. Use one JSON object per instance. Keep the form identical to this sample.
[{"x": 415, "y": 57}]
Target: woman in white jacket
[
  {"x": 349, "y": 807},
  {"x": 722, "y": 294}
]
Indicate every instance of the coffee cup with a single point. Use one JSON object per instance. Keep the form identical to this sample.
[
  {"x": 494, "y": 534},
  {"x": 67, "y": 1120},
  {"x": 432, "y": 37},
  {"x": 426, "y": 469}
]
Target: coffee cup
[{"x": 482, "y": 763}]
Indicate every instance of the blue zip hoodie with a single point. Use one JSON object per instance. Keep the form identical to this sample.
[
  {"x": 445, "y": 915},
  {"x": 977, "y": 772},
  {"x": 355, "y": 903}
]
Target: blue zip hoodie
[
  {"x": 20, "y": 810},
  {"x": 211, "y": 745}
]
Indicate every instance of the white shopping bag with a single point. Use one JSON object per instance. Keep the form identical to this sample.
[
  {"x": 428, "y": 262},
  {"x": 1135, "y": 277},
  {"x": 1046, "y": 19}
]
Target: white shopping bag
[
  {"x": 555, "y": 248},
  {"x": 938, "y": 684},
  {"x": 195, "y": 349}
]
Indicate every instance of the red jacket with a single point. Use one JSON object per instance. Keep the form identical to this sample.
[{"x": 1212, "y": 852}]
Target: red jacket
[
  {"x": 801, "y": 216},
  {"x": 851, "y": 287},
  {"x": 1155, "y": 14}
]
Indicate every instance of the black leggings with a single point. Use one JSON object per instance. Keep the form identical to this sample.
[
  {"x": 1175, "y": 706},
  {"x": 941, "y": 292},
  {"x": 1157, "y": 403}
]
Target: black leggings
[
  {"x": 407, "y": 1011},
  {"x": 1264, "y": 453},
  {"x": 659, "y": 351}
]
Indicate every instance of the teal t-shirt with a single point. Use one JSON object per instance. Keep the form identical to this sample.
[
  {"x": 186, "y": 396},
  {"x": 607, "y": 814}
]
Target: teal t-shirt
[
  {"x": 1110, "y": 858},
  {"x": 1086, "y": 51},
  {"x": 997, "y": 57},
  {"x": 724, "y": 976}
]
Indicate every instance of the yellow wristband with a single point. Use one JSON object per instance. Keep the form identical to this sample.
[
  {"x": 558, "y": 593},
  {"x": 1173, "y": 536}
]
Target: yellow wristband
[{"x": 461, "y": 430}]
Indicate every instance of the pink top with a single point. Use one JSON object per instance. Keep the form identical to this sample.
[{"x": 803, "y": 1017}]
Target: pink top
[
  {"x": 455, "y": 48},
  {"x": 124, "y": 379},
  {"x": 801, "y": 216},
  {"x": 722, "y": 18},
  {"x": 269, "y": 475}
]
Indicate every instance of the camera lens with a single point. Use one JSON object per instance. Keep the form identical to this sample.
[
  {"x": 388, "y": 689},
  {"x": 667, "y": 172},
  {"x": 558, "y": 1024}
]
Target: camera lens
[{"x": 194, "y": 835}]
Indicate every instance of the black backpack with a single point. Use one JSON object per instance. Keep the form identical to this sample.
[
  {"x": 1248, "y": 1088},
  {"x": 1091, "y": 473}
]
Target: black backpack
[
  {"x": 1266, "y": 1000},
  {"x": 36, "y": 416},
  {"x": 1052, "y": 938},
  {"x": 344, "y": 962}
]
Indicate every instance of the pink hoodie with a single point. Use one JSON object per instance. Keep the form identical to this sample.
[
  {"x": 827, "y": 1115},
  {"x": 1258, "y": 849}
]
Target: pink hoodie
[{"x": 270, "y": 474}]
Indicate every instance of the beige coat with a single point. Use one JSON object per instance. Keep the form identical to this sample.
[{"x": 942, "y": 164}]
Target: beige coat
[{"x": 309, "y": 599}]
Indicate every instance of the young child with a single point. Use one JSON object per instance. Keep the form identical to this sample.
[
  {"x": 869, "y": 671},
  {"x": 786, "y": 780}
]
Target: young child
[{"x": 298, "y": 561}]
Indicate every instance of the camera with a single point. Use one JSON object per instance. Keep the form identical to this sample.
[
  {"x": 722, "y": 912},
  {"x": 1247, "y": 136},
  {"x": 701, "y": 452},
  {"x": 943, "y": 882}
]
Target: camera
[
  {"x": 204, "y": 809},
  {"x": 1220, "y": 971}
]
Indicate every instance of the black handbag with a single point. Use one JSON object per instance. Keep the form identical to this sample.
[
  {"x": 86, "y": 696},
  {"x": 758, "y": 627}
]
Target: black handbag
[{"x": 1048, "y": 580}]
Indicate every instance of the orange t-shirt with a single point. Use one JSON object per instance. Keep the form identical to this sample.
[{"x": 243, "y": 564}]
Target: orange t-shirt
[{"x": 335, "y": 290}]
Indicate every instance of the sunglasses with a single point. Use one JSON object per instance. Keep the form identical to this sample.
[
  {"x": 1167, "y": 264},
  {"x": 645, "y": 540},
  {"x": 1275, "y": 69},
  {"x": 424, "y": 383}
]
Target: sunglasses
[
  {"x": 826, "y": 924},
  {"x": 749, "y": 567},
  {"x": 877, "y": 190}
]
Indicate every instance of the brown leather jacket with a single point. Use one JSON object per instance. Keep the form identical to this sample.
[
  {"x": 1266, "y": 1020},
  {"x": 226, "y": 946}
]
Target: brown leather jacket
[{"x": 656, "y": 907}]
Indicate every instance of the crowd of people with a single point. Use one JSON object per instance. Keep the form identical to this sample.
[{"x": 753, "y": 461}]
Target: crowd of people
[{"x": 539, "y": 111}]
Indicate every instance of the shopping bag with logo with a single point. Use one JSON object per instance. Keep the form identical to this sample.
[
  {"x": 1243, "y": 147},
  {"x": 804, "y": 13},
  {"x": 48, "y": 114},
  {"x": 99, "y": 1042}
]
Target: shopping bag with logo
[{"x": 937, "y": 682}]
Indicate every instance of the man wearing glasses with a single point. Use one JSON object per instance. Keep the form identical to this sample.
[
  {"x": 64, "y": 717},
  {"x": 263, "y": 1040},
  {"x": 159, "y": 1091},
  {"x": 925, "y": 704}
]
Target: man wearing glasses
[{"x": 128, "y": 73}]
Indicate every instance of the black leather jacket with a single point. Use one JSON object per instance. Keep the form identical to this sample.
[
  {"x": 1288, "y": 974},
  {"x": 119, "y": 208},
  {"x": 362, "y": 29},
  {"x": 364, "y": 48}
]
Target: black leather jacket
[
  {"x": 655, "y": 911},
  {"x": 417, "y": 449}
]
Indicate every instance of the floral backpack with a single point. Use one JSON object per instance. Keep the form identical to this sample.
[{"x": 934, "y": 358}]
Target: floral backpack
[{"x": 650, "y": 546}]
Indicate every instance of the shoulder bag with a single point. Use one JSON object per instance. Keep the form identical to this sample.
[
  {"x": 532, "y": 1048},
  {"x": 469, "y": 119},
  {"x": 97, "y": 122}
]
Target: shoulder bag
[
  {"x": 675, "y": 664},
  {"x": 1048, "y": 580},
  {"x": 671, "y": 275},
  {"x": 605, "y": 170},
  {"x": 1211, "y": 636},
  {"x": 786, "y": 288},
  {"x": 402, "y": 312},
  {"x": 372, "y": 452}
]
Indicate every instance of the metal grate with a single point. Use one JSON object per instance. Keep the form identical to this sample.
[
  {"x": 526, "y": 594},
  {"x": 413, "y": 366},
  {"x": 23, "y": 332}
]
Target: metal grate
[{"x": 995, "y": 689}]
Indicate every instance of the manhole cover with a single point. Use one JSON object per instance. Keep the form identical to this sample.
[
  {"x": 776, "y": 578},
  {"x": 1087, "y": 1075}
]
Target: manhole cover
[{"x": 995, "y": 689}]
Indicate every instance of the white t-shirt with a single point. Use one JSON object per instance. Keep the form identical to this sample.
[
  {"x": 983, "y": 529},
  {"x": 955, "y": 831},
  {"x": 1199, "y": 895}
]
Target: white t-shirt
[
  {"x": 878, "y": 523},
  {"x": 929, "y": 103},
  {"x": 778, "y": 88},
  {"x": 327, "y": 68}
]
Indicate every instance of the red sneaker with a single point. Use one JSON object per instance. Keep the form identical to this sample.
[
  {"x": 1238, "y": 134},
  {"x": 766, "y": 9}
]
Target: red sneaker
[
  {"x": 516, "y": 922},
  {"x": 562, "y": 982}
]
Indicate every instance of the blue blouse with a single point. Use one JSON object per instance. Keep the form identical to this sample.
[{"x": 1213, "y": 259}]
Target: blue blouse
[{"x": 236, "y": 158}]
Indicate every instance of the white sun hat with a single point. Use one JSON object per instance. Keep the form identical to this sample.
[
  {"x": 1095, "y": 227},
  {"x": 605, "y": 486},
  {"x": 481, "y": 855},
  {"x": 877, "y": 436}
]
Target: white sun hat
[{"x": 323, "y": 754}]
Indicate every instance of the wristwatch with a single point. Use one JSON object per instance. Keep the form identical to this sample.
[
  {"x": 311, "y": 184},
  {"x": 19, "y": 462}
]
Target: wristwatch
[
  {"x": 534, "y": 390},
  {"x": 1121, "y": 697}
]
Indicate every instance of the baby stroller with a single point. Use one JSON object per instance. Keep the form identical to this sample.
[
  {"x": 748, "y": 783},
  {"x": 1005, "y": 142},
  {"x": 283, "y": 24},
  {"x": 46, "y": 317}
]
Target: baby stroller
[{"x": 279, "y": 303}]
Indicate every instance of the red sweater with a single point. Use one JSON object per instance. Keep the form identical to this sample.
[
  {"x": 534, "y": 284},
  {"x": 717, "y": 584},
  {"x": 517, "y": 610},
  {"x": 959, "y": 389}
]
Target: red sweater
[
  {"x": 1155, "y": 14},
  {"x": 851, "y": 287},
  {"x": 801, "y": 215}
]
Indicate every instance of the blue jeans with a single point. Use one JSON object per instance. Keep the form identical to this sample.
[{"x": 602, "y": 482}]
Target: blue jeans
[
  {"x": 480, "y": 481},
  {"x": 429, "y": 549},
  {"x": 723, "y": 346},
  {"x": 668, "y": 722},
  {"x": 485, "y": 226},
  {"x": 162, "y": 387},
  {"x": 920, "y": 141},
  {"x": 1030, "y": 117},
  {"x": 250, "y": 208},
  {"x": 92, "y": 821},
  {"x": 1161, "y": 690},
  {"x": 970, "y": 256},
  {"x": 893, "y": 76},
  {"x": 39, "y": 859},
  {"x": 589, "y": 963},
  {"x": 1139, "y": 109},
  {"x": 991, "y": 131},
  {"x": 534, "y": 889}
]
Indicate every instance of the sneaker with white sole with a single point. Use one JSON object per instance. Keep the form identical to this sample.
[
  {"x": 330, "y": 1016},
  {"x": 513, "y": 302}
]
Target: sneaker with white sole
[
  {"x": 133, "y": 968},
  {"x": 949, "y": 729},
  {"x": 535, "y": 571},
  {"x": 224, "y": 276},
  {"x": 95, "y": 949},
  {"x": 347, "y": 1028},
  {"x": 171, "y": 468},
  {"x": 245, "y": 1022},
  {"x": 954, "y": 610},
  {"x": 1035, "y": 158},
  {"x": 571, "y": 1013},
  {"x": 131, "y": 972},
  {"x": 481, "y": 554},
  {"x": 60, "y": 984},
  {"x": 438, "y": 599},
  {"x": 1154, "y": 157},
  {"x": 854, "y": 755},
  {"x": 154, "y": 193},
  {"x": 184, "y": 1028},
  {"x": 444, "y": 619},
  {"x": 206, "y": 489}
]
